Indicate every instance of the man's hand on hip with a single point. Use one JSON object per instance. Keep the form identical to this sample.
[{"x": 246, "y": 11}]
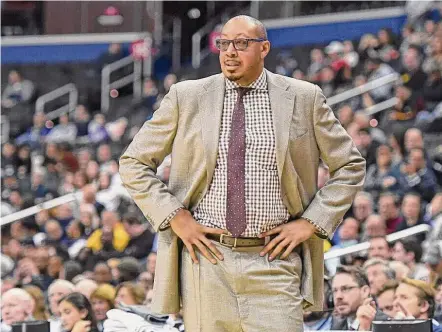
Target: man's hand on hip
[
  {"x": 193, "y": 234},
  {"x": 289, "y": 236}
]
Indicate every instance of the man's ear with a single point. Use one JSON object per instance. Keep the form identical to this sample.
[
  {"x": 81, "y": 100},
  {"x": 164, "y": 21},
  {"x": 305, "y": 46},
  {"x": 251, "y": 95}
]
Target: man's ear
[
  {"x": 424, "y": 306},
  {"x": 365, "y": 291},
  {"x": 265, "y": 49}
]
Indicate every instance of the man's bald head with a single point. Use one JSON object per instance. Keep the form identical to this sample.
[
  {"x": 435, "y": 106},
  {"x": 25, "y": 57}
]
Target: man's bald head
[{"x": 261, "y": 31}]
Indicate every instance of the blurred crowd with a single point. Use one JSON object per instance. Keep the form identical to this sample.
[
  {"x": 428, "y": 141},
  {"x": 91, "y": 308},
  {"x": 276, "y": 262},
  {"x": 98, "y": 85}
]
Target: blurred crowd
[{"x": 74, "y": 263}]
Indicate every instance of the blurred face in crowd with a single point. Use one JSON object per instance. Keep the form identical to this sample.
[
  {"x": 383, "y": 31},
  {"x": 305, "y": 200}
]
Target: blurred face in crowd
[
  {"x": 345, "y": 115},
  {"x": 92, "y": 170},
  {"x": 56, "y": 293},
  {"x": 15, "y": 308},
  {"x": 383, "y": 37},
  {"x": 399, "y": 254},
  {"x": 362, "y": 207},
  {"x": 70, "y": 315},
  {"x": 81, "y": 114},
  {"x": 413, "y": 139},
  {"x": 8, "y": 150},
  {"x": 64, "y": 119},
  {"x": 64, "y": 211},
  {"x": 347, "y": 294},
  {"x": 109, "y": 219},
  {"x": 317, "y": 55},
  {"x": 385, "y": 302},
  {"x": 86, "y": 287},
  {"x": 417, "y": 159},
  {"x": 411, "y": 59},
  {"x": 379, "y": 248},
  {"x": 327, "y": 75},
  {"x": 102, "y": 274},
  {"x": 15, "y": 199},
  {"x": 42, "y": 259},
  {"x": 243, "y": 66},
  {"x": 53, "y": 230},
  {"x": 349, "y": 229},
  {"x": 401, "y": 270},
  {"x": 14, "y": 77},
  {"x": 125, "y": 296},
  {"x": 100, "y": 308},
  {"x": 104, "y": 180},
  {"x": 436, "y": 45},
  {"x": 383, "y": 156},
  {"x": 80, "y": 179},
  {"x": 39, "y": 119},
  {"x": 146, "y": 280},
  {"x": 407, "y": 297},
  {"x": 55, "y": 266},
  {"x": 376, "y": 277},
  {"x": 411, "y": 207},
  {"x": 104, "y": 153},
  {"x": 387, "y": 207},
  {"x": 438, "y": 297}
]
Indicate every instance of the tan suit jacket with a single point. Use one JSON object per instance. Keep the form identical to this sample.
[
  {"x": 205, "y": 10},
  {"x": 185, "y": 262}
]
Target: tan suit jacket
[{"x": 187, "y": 126}]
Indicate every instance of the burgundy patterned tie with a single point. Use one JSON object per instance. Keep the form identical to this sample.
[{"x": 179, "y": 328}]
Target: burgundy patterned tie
[{"x": 236, "y": 162}]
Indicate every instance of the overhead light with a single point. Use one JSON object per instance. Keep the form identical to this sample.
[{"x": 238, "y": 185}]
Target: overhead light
[{"x": 194, "y": 13}]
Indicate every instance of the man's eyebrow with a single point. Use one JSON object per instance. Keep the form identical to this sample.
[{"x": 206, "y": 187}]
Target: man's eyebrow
[{"x": 238, "y": 35}]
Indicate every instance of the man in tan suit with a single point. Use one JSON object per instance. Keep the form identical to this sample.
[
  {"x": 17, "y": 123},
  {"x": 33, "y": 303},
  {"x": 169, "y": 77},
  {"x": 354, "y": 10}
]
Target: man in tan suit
[{"x": 241, "y": 220}]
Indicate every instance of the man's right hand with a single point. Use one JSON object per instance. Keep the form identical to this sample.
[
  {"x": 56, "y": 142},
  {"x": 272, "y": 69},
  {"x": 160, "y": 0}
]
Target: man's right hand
[{"x": 193, "y": 234}]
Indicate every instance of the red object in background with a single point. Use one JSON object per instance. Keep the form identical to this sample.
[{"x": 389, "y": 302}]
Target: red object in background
[
  {"x": 140, "y": 49},
  {"x": 111, "y": 11},
  {"x": 212, "y": 39}
]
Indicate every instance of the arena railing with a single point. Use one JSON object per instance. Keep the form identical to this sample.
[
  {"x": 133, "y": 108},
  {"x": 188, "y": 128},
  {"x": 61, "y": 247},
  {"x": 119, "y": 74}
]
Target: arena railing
[
  {"x": 357, "y": 91},
  {"x": 365, "y": 245},
  {"x": 135, "y": 78},
  {"x": 69, "y": 89}
]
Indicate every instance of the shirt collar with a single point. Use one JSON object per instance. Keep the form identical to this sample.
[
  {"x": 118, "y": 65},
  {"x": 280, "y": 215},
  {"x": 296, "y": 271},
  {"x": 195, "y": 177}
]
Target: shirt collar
[{"x": 259, "y": 84}]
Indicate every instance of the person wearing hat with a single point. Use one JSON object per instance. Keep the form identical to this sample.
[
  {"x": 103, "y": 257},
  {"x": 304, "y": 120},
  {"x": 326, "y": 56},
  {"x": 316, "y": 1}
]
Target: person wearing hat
[
  {"x": 335, "y": 51},
  {"x": 102, "y": 300},
  {"x": 414, "y": 299}
]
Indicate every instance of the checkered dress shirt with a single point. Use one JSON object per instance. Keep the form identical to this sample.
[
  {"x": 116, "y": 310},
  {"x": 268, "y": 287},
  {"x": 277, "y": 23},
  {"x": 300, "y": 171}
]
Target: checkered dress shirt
[{"x": 264, "y": 206}]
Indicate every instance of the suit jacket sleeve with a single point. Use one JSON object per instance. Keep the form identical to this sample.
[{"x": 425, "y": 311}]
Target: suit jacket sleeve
[
  {"x": 346, "y": 166},
  {"x": 138, "y": 165}
]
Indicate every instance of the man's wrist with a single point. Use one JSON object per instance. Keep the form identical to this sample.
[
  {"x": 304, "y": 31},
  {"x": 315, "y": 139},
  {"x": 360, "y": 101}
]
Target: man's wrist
[
  {"x": 319, "y": 231},
  {"x": 166, "y": 222}
]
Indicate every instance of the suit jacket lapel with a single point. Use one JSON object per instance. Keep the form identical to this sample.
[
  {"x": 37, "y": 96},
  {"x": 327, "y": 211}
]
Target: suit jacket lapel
[
  {"x": 282, "y": 104},
  {"x": 211, "y": 102}
]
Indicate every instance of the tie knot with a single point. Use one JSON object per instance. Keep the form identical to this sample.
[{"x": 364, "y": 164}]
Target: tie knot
[{"x": 242, "y": 91}]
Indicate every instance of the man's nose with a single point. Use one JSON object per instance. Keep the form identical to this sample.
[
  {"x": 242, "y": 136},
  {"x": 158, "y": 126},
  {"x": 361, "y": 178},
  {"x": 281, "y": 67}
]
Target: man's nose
[{"x": 231, "y": 49}]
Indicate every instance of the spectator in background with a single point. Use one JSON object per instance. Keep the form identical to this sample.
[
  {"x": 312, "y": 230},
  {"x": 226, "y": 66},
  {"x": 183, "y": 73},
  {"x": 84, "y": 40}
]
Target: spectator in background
[
  {"x": 375, "y": 226},
  {"x": 113, "y": 53},
  {"x": 367, "y": 146},
  {"x": 432, "y": 90},
  {"x": 39, "y": 301},
  {"x": 17, "y": 305},
  {"x": 350, "y": 56},
  {"x": 18, "y": 90},
  {"x": 389, "y": 210},
  {"x": 97, "y": 130},
  {"x": 345, "y": 115},
  {"x": 387, "y": 50},
  {"x": 341, "y": 68},
  {"x": 129, "y": 293},
  {"x": 362, "y": 206},
  {"x": 102, "y": 300},
  {"x": 77, "y": 314},
  {"x": 65, "y": 131},
  {"x": 350, "y": 292},
  {"x": 327, "y": 81},
  {"x": 86, "y": 287},
  {"x": 409, "y": 252},
  {"x": 76, "y": 233},
  {"x": 70, "y": 270},
  {"x": 375, "y": 69},
  {"x": 366, "y": 47},
  {"x": 104, "y": 157},
  {"x": 385, "y": 298},
  {"x": 36, "y": 135},
  {"x": 107, "y": 195},
  {"x": 381, "y": 176},
  {"x": 379, "y": 248},
  {"x": 378, "y": 274},
  {"x": 54, "y": 232},
  {"x": 82, "y": 119},
  {"x": 141, "y": 238},
  {"x": 128, "y": 269},
  {"x": 414, "y": 299},
  {"x": 102, "y": 273},
  {"x": 57, "y": 290},
  {"x": 317, "y": 62},
  {"x": 412, "y": 74}
]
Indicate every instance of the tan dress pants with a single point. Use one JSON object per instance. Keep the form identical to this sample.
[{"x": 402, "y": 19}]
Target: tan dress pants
[{"x": 243, "y": 293}]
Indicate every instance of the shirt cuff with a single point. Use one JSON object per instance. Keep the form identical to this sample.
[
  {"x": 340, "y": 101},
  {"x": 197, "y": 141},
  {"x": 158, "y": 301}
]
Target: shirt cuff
[
  {"x": 166, "y": 223},
  {"x": 320, "y": 232}
]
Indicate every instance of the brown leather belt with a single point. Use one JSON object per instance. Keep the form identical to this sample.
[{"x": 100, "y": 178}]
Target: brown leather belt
[{"x": 237, "y": 242}]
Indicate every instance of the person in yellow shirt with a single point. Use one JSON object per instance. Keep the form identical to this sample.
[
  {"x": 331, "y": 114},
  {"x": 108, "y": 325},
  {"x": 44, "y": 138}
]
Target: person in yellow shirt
[{"x": 112, "y": 231}]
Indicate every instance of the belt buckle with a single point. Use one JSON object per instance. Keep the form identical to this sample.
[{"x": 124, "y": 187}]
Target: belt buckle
[{"x": 225, "y": 244}]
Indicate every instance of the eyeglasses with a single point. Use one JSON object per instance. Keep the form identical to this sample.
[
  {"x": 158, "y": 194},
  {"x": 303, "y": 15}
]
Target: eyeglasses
[
  {"x": 344, "y": 289},
  {"x": 239, "y": 44}
]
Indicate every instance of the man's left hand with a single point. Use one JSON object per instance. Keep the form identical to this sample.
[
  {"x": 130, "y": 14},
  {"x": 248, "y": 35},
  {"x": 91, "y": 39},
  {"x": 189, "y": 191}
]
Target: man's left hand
[{"x": 289, "y": 236}]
